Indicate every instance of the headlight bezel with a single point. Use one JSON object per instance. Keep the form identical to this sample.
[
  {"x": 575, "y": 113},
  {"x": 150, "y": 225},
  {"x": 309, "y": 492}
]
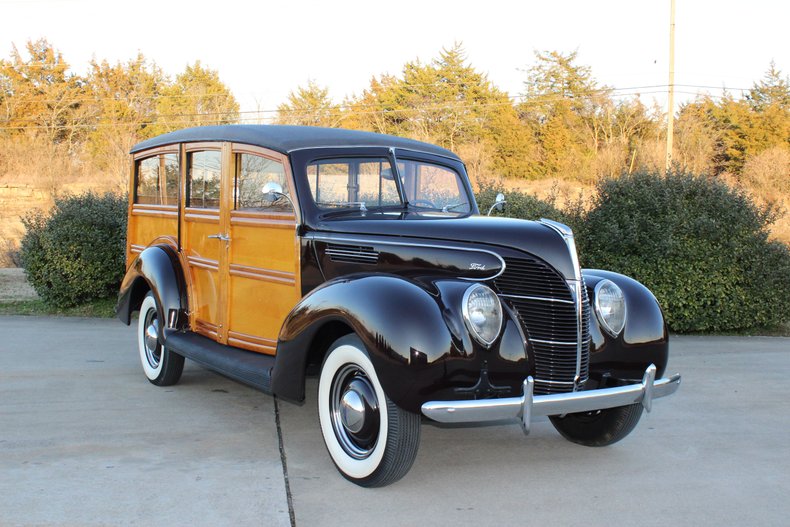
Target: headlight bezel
[
  {"x": 599, "y": 309},
  {"x": 467, "y": 315}
]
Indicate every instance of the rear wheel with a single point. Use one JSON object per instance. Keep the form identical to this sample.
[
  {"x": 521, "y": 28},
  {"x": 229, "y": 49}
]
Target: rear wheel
[
  {"x": 371, "y": 440},
  {"x": 161, "y": 366},
  {"x": 598, "y": 428}
]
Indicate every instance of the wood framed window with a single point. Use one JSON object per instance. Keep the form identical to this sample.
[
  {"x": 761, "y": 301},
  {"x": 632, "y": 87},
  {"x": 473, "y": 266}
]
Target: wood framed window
[
  {"x": 204, "y": 175},
  {"x": 156, "y": 180},
  {"x": 253, "y": 172}
]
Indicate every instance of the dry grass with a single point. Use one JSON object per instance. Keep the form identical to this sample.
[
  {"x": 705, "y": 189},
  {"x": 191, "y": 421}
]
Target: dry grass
[
  {"x": 558, "y": 191},
  {"x": 14, "y": 286},
  {"x": 565, "y": 193}
]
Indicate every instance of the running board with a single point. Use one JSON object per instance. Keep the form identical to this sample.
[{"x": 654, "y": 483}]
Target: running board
[{"x": 248, "y": 367}]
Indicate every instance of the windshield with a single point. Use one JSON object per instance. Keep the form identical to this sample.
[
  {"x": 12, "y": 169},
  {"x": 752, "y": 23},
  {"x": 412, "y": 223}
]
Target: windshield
[
  {"x": 433, "y": 187},
  {"x": 365, "y": 183}
]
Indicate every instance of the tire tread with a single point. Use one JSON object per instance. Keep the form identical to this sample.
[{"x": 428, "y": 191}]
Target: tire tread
[{"x": 611, "y": 426}]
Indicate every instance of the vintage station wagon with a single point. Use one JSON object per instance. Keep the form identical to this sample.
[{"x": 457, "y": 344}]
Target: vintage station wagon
[{"x": 268, "y": 253}]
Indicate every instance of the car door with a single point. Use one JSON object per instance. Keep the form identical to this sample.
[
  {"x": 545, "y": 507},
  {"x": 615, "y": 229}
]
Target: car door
[
  {"x": 263, "y": 251},
  {"x": 203, "y": 238}
]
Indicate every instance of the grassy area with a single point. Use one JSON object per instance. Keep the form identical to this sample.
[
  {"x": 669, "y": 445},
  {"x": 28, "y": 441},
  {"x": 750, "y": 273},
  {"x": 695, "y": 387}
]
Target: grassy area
[{"x": 104, "y": 308}]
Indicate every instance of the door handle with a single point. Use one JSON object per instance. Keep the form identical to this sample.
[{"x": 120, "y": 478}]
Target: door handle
[{"x": 220, "y": 236}]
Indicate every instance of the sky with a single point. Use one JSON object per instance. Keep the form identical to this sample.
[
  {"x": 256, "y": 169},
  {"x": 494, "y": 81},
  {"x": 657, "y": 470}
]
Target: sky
[{"x": 263, "y": 50}]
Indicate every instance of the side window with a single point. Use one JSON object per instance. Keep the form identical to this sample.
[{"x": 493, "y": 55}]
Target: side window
[
  {"x": 157, "y": 180},
  {"x": 252, "y": 174},
  {"x": 341, "y": 182},
  {"x": 203, "y": 179}
]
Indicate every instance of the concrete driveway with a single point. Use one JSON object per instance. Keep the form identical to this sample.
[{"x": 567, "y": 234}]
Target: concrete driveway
[{"x": 86, "y": 440}]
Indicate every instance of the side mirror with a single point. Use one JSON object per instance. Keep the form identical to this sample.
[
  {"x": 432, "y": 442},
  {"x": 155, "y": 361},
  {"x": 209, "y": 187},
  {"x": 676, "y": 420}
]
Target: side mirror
[
  {"x": 272, "y": 191},
  {"x": 499, "y": 204}
]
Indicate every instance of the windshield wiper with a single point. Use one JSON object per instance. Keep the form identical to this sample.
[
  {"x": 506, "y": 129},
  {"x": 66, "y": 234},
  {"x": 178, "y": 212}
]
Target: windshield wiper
[
  {"x": 360, "y": 204},
  {"x": 448, "y": 208}
]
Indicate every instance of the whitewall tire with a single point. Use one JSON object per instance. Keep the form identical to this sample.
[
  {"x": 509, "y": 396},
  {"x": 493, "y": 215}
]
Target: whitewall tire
[
  {"x": 161, "y": 366},
  {"x": 371, "y": 440}
]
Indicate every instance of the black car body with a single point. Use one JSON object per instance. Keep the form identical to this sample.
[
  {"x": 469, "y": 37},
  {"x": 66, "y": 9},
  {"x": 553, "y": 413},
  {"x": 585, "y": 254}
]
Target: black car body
[{"x": 463, "y": 317}]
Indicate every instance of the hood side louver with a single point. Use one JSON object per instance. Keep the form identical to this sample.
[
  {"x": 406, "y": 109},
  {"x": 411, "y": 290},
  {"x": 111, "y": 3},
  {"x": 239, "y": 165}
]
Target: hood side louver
[{"x": 352, "y": 253}]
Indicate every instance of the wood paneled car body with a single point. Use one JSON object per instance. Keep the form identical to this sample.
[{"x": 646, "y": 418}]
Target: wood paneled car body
[{"x": 267, "y": 252}]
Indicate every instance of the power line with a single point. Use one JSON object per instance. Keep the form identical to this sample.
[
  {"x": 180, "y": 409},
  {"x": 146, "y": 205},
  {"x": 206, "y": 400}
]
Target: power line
[
  {"x": 348, "y": 110},
  {"x": 615, "y": 92}
]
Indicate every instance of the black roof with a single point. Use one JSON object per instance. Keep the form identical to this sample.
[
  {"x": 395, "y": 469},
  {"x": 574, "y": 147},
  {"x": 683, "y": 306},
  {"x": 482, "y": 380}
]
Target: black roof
[{"x": 286, "y": 139}]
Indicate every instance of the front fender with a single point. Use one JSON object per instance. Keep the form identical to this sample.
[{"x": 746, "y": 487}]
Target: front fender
[
  {"x": 644, "y": 339},
  {"x": 415, "y": 336},
  {"x": 157, "y": 269},
  {"x": 399, "y": 322}
]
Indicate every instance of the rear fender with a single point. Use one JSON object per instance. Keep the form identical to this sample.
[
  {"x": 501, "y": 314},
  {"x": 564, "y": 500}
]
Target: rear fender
[{"x": 156, "y": 269}]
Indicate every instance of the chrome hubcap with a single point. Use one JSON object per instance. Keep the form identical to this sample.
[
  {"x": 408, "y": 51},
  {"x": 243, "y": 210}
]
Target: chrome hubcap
[
  {"x": 354, "y": 411},
  {"x": 153, "y": 351}
]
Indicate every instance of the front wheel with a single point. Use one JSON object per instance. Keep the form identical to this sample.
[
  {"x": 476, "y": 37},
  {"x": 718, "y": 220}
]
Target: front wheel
[
  {"x": 161, "y": 366},
  {"x": 600, "y": 427},
  {"x": 371, "y": 440}
]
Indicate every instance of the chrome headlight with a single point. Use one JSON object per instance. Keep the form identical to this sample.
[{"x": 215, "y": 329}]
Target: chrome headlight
[
  {"x": 482, "y": 314},
  {"x": 610, "y": 306}
]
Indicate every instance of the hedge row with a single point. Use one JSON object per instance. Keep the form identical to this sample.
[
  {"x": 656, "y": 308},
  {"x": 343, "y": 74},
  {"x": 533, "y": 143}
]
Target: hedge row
[{"x": 699, "y": 245}]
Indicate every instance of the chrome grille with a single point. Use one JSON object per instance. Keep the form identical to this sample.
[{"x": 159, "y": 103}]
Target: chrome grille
[{"x": 548, "y": 312}]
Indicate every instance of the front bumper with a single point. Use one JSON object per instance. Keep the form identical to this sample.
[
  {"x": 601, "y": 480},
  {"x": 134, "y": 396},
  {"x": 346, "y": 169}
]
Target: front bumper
[{"x": 528, "y": 405}]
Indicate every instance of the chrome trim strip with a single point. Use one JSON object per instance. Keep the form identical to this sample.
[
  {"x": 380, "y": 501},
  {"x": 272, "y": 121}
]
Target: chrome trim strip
[
  {"x": 558, "y": 342},
  {"x": 365, "y": 255},
  {"x": 577, "y": 291},
  {"x": 553, "y": 382},
  {"x": 540, "y": 298},
  {"x": 370, "y": 242},
  {"x": 361, "y": 251},
  {"x": 528, "y": 405},
  {"x": 567, "y": 235}
]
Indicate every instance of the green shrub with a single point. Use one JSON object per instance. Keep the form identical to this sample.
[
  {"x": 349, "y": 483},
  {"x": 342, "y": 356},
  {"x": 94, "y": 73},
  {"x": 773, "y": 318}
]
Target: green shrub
[
  {"x": 75, "y": 253},
  {"x": 699, "y": 245},
  {"x": 519, "y": 204}
]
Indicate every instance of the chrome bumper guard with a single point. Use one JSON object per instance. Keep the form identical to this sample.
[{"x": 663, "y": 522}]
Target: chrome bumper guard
[{"x": 528, "y": 405}]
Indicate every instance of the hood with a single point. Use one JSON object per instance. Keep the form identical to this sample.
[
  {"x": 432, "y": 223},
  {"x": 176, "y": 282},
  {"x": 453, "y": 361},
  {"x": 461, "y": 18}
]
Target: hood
[{"x": 487, "y": 232}]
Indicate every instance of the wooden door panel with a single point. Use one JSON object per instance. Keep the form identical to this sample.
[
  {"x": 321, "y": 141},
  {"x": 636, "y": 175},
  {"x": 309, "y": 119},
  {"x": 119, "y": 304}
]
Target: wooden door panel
[
  {"x": 263, "y": 269},
  {"x": 203, "y": 254},
  {"x": 262, "y": 287},
  {"x": 265, "y": 242}
]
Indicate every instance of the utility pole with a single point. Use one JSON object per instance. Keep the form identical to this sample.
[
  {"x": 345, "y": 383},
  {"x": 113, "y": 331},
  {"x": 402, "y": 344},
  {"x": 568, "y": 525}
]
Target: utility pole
[{"x": 671, "y": 102}]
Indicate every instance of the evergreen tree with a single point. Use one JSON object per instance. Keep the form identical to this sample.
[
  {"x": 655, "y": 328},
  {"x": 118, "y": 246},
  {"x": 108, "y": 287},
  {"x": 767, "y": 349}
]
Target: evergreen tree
[
  {"x": 197, "y": 97},
  {"x": 310, "y": 106}
]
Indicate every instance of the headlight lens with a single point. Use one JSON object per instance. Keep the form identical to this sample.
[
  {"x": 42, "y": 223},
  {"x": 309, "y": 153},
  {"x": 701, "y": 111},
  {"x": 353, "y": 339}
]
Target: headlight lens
[
  {"x": 610, "y": 307},
  {"x": 482, "y": 313}
]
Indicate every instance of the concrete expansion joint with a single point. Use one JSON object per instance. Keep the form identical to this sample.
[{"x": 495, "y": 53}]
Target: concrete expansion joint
[{"x": 284, "y": 461}]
